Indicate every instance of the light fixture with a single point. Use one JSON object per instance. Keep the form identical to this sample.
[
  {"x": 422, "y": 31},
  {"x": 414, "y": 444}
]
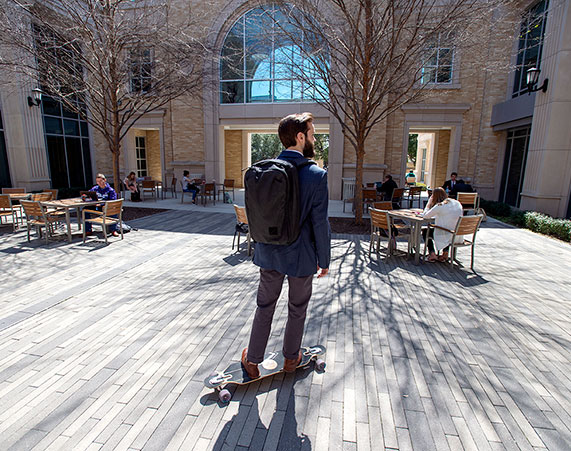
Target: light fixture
[
  {"x": 36, "y": 99},
  {"x": 532, "y": 78}
]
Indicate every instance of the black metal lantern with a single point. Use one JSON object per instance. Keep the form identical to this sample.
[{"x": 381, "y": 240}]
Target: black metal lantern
[
  {"x": 532, "y": 78},
  {"x": 36, "y": 98}
]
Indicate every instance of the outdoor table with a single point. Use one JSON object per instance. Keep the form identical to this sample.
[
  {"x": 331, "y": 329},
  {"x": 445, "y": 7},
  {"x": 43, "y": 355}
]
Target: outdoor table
[
  {"x": 414, "y": 218},
  {"x": 67, "y": 204}
]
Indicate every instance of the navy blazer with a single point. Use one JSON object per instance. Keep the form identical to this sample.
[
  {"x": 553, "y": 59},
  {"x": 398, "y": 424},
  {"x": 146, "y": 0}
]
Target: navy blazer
[{"x": 313, "y": 246}]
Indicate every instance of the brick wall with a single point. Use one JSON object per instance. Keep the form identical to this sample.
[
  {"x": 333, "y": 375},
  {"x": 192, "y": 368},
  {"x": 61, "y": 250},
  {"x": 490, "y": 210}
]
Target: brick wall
[{"x": 233, "y": 155}]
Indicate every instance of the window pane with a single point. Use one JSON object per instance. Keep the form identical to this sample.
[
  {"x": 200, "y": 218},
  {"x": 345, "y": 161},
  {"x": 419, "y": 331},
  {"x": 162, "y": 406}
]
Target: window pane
[
  {"x": 232, "y": 92},
  {"x": 258, "y": 44},
  {"x": 58, "y": 166},
  {"x": 444, "y": 75},
  {"x": 282, "y": 90},
  {"x": 53, "y": 125},
  {"x": 69, "y": 113},
  {"x": 232, "y": 64},
  {"x": 71, "y": 127},
  {"x": 84, "y": 128},
  {"x": 74, "y": 161},
  {"x": 428, "y": 75},
  {"x": 51, "y": 106},
  {"x": 87, "y": 162},
  {"x": 258, "y": 91}
]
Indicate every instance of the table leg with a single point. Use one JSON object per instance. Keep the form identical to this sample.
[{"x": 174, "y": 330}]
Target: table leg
[
  {"x": 68, "y": 223},
  {"x": 78, "y": 213},
  {"x": 417, "y": 228}
]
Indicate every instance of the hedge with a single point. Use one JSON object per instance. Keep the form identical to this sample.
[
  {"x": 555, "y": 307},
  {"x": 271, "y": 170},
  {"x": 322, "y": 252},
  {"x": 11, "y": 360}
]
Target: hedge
[{"x": 537, "y": 222}]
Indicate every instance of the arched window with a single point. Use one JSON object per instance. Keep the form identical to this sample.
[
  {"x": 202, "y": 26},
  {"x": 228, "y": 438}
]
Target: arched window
[{"x": 259, "y": 62}]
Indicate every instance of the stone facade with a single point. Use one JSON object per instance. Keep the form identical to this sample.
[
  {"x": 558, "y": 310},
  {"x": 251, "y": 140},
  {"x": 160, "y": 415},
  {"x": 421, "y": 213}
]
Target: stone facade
[{"x": 189, "y": 133}]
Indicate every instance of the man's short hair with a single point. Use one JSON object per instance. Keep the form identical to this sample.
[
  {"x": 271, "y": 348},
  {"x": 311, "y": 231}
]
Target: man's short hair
[
  {"x": 454, "y": 173},
  {"x": 291, "y": 125},
  {"x": 101, "y": 176},
  {"x": 389, "y": 176},
  {"x": 185, "y": 173}
]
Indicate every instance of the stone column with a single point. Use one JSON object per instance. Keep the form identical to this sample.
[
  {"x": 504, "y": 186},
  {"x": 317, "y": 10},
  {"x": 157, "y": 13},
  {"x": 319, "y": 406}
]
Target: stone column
[{"x": 547, "y": 179}]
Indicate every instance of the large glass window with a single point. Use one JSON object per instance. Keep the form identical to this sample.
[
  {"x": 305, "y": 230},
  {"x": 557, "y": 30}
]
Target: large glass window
[
  {"x": 141, "y": 151},
  {"x": 437, "y": 67},
  {"x": 259, "y": 63},
  {"x": 530, "y": 45},
  {"x": 67, "y": 143},
  {"x": 141, "y": 63},
  {"x": 514, "y": 166},
  {"x": 4, "y": 170}
]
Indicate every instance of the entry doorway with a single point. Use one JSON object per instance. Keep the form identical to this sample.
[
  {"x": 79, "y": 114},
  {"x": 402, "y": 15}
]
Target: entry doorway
[
  {"x": 515, "y": 159},
  {"x": 420, "y": 156}
]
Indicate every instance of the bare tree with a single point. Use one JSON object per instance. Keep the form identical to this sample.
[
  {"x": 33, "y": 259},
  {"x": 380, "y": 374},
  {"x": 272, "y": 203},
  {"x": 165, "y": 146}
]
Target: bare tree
[
  {"x": 364, "y": 59},
  {"x": 111, "y": 61}
]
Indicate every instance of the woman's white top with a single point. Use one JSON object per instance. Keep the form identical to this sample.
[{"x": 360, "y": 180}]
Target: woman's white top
[{"x": 445, "y": 215}]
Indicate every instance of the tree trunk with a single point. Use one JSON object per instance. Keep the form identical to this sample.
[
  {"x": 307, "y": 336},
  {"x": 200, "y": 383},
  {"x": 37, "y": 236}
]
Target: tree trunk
[
  {"x": 359, "y": 184},
  {"x": 116, "y": 180}
]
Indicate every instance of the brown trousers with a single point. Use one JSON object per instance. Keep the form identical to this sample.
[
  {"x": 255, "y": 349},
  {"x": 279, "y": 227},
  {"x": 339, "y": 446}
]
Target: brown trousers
[{"x": 268, "y": 293}]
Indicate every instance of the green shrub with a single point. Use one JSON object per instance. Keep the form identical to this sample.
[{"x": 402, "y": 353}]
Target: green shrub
[
  {"x": 496, "y": 208},
  {"x": 538, "y": 222}
]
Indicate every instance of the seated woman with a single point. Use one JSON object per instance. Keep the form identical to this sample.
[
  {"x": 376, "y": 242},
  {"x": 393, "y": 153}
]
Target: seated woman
[
  {"x": 189, "y": 185},
  {"x": 131, "y": 184},
  {"x": 445, "y": 212}
]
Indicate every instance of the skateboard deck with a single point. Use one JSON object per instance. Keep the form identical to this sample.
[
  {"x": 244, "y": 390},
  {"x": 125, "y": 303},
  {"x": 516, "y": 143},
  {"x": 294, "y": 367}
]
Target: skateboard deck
[{"x": 273, "y": 364}]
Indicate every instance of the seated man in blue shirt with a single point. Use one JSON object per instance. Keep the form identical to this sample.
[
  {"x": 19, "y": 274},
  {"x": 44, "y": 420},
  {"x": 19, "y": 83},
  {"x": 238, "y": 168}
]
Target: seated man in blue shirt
[{"x": 104, "y": 192}]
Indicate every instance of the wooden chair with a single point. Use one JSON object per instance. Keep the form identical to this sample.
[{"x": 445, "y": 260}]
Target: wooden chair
[
  {"x": 397, "y": 197},
  {"x": 14, "y": 191},
  {"x": 104, "y": 218},
  {"x": 171, "y": 188},
  {"x": 41, "y": 197},
  {"x": 208, "y": 190},
  {"x": 369, "y": 196},
  {"x": 53, "y": 191},
  {"x": 469, "y": 201},
  {"x": 227, "y": 186},
  {"x": 241, "y": 227},
  {"x": 37, "y": 216},
  {"x": 348, "y": 191},
  {"x": 6, "y": 210},
  {"x": 385, "y": 205},
  {"x": 466, "y": 226},
  {"x": 380, "y": 220},
  {"x": 414, "y": 192},
  {"x": 149, "y": 186},
  {"x": 370, "y": 185}
]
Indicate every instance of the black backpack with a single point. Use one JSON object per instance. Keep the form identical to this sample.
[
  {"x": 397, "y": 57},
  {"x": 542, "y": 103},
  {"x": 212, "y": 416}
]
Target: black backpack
[{"x": 272, "y": 201}]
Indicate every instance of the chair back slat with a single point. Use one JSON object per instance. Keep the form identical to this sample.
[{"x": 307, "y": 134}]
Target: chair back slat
[
  {"x": 241, "y": 214},
  {"x": 229, "y": 183},
  {"x": 369, "y": 195},
  {"x": 398, "y": 193},
  {"x": 379, "y": 218},
  {"x": 468, "y": 225},
  {"x": 467, "y": 199},
  {"x": 54, "y": 192},
  {"x": 348, "y": 188},
  {"x": 173, "y": 183},
  {"x": 148, "y": 184},
  {"x": 113, "y": 207},
  {"x": 415, "y": 190},
  {"x": 31, "y": 208},
  {"x": 41, "y": 197},
  {"x": 386, "y": 205},
  {"x": 5, "y": 201},
  {"x": 13, "y": 190},
  {"x": 209, "y": 188}
]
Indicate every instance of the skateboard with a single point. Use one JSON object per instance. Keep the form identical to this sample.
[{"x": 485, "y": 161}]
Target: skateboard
[{"x": 273, "y": 364}]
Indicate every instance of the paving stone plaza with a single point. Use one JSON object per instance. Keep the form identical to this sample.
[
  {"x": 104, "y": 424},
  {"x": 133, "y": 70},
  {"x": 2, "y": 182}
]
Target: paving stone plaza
[{"x": 106, "y": 347}]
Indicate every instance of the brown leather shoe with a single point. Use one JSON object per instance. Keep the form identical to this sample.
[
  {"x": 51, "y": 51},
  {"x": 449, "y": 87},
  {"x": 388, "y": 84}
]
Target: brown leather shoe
[
  {"x": 251, "y": 368},
  {"x": 291, "y": 364}
]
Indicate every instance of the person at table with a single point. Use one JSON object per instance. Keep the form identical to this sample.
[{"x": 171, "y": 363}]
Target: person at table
[
  {"x": 131, "y": 184},
  {"x": 189, "y": 185},
  {"x": 387, "y": 187},
  {"x": 104, "y": 192},
  {"x": 445, "y": 212},
  {"x": 410, "y": 178},
  {"x": 449, "y": 184},
  {"x": 460, "y": 187}
]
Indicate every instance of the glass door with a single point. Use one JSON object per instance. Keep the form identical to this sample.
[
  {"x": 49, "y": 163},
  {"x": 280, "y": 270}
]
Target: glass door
[
  {"x": 514, "y": 166},
  {"x": 4, "y": 169}
]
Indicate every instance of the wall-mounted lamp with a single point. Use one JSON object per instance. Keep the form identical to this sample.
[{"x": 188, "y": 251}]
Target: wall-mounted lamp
[
  {"x": 36, "y": 99},
  {"x": 532, "y": 78}
]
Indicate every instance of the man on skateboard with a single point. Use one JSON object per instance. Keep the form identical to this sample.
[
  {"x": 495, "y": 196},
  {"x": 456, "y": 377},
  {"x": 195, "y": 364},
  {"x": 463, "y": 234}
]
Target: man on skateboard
[{"x": 298, "y": 261}]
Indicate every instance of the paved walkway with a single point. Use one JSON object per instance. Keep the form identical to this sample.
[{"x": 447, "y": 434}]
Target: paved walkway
[{"x": 106, "y": 347}]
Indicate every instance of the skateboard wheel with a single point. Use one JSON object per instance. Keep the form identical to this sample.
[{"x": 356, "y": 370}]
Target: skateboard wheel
[
  {"x": 224, "y": 396},
  {"x": 320, "y": 365}
]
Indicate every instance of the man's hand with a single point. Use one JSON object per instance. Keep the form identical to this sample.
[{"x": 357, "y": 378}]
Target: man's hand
[{"x": 324, "y": 272}]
